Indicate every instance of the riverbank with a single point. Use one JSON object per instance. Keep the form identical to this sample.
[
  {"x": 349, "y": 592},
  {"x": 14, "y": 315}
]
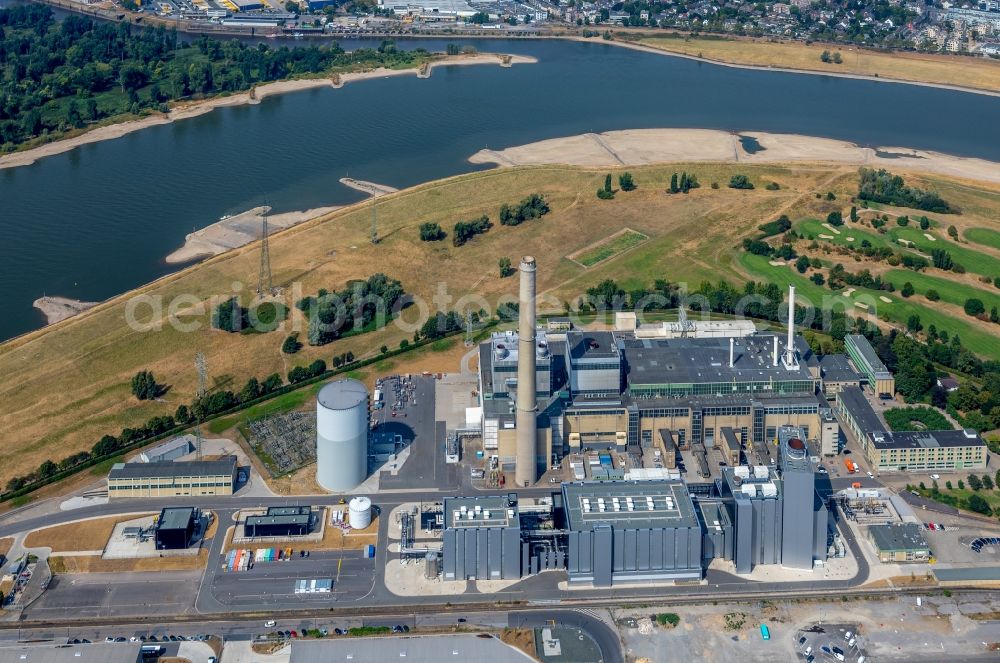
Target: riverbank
[
  {"x": 975, "y": 75},
  {"x": 649, "y": 146},
  {"x": 188, "y": 110},
  {"x": 239, "y": 230},
  {"x": 57, "y": 309}
]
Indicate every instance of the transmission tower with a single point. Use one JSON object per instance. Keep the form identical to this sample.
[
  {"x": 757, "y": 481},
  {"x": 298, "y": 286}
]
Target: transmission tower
[
  {"x": 264, "y": 283},
  {"x": 202, "y": 368}
]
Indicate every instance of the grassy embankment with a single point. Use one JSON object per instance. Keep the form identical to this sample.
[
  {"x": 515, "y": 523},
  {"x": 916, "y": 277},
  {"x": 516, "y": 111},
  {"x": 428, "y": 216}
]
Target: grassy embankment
[
  {"x": 967, "y": 72},
  {"x": 68, "y": 384}
]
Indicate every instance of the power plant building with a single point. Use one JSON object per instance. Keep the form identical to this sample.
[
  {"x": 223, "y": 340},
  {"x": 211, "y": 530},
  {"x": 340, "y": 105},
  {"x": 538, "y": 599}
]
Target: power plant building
[
  {"x": 174, "y": 528},
  {"x": 482, "y": 538},
  {"x": 342, "y": 435},
  {"x": 173, "y": 478},
  {"x": 631, "y": 532},
  {"x": 866, "y": 360}
]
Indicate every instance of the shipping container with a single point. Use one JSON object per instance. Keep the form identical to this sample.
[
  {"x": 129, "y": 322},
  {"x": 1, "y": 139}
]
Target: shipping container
[{"x": 370, "y": 552}]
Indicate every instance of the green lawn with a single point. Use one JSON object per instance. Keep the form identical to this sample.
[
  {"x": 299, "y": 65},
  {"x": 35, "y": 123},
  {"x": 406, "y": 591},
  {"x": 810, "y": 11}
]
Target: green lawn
[
  {"x": 950, "y": 291},
  {"x": 959, "y": 498},
  {"x": 814, "y": 228},
  {"x": 898, "y": 310},
  {"x": 611, "y": 247},
  {"x": 972, "y": 260},
  {"x": 984, "y": 236},
  {"x": 284, "y": 403}
]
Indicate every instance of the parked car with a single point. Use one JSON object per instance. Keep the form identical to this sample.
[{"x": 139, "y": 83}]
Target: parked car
[{"x": 269, "y": 623}]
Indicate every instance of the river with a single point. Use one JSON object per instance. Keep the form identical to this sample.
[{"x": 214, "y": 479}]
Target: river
[{"x": 98, "y": 220}]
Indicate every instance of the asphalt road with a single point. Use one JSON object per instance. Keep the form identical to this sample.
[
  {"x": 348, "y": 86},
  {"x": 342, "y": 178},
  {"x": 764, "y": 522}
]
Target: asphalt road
[{"x": 600, "y": 631}]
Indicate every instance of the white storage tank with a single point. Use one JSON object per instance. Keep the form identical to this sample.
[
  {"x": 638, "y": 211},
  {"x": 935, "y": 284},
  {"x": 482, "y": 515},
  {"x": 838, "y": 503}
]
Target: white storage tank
[
  {"x": 342, "y": 435},
  {"x": 360, "y": 513}
]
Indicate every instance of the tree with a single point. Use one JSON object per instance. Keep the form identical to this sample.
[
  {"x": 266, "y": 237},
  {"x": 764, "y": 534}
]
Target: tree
[
  {"x": 825, "y": 56},
  {"x": 947, "y": 484},
  {"x": 836, "y": 57},
  {"x": 932, "y": 295},
  {"x": 953, "y": 232},
  {"x": 907, "y": 290},
  {"x": 802, "y": 264},
  {"x": 144, "y": 386},
  {"x": 740, "y": 182},
  {"x": 606, "y": 193},
  {"x": 913, "y": 324},
  {"x": 961, "y": 485},
  {"x": 431, "y": 232},
  {"x": 384, "y": 349},
  {"x": 505, "y": 267},
  {"x": 835, "y": 219},
  {"x": 975, "y": 483},
  {"x": 292, "y": 344},
  {"x": 979, "y": 505},
  {"x": 987, "y": 482},
  {"x": 292, "y": 7},
  {"x": 673, "y": 183},
  {"x": 625, "y": 182},
  {"x": 974, "y": 307},
  {"x": 925, "y": 223},
  {"x": 854, "y": 214}
]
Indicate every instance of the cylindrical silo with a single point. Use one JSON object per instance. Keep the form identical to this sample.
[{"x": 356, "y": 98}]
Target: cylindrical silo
[
  {"x": 342, "y": 435},
  {"x": 360, "y": 512},
  {"x": 431, "y": 569}
]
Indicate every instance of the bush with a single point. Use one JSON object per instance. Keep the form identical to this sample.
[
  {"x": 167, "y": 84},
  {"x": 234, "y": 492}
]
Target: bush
[
  {"x": 780, "y": 225},
  {"x": 431, "y": 232},
  {"x": 772, "y": 186},
  {"x": 903, "y": 418},
  {"x": 665, "y": 618},
  {"x": 932, "y": 295},
  {"x": 532, "y": 207},
  {"x": 907, "y": 289},
  {"x": 626, "y": 182},
  {"x": 740, "y": 182},
  {"x": 974, "y": 307},
  {"x": 466, "y": 230}
]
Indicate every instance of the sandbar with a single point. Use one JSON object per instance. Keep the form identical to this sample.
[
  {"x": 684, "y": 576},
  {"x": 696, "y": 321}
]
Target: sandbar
[
  {"x": 60, "y": 308},
  {"x": 636, "y": 147},
  {"x": 185, "y": 110}
]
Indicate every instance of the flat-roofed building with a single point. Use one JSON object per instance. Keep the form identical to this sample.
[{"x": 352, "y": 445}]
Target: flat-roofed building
[
  {"x": 730, "y": 445},
  {"x": 174, "y": 528},
  {"x": 857, "y": 414},
  {"x": 173, "y": 478},
  {"x": 631, "y": 532},
  {"x": 482, "y": 538},
  {"x": 917, "y": 451},
  {"x": 170, "y": 450},
  {"x": 279, "y": 521},
  {"x": 836, "y": 372},
  {"x": 900, "y": 542},
  {"x": 866, "y": 360}
]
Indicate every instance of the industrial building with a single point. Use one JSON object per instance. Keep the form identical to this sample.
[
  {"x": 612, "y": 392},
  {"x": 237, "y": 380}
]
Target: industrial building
[
  {"x": 279, "y": 521},
  {"x": 482, "y": 538},
  {"x": 342, "y": 435},
  {"x": 908, "y": 451},
  {"x": 863, "y": 355},
  {"x": 174, "y": 528},
  {"x": 173, "y": 479},
  {"x": 170, "y": 450},
  {"x": 901, "y": 542},
  {"x": 627, "y": 532},
  {"x": 777, "y": 516}
]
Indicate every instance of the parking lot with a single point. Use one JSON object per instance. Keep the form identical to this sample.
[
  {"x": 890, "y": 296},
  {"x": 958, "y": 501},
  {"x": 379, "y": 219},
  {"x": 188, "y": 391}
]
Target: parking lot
[{"x": 829, "y": 642}]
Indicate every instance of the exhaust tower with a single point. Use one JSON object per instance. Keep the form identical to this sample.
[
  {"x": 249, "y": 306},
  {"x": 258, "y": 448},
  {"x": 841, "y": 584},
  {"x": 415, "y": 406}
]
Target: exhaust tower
[{"x": 525, "y": 472}]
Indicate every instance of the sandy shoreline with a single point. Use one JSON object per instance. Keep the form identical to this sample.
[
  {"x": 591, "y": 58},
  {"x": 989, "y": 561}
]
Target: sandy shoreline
[
  {"x": 239, "y": 230},
  {"x": 648, "y": 146},
  {"x": 60, "y": 308},
  {"x": 254, "y": 96},
  {"x": 373, "y": 189},
  {"x": 785, "y": 70}
]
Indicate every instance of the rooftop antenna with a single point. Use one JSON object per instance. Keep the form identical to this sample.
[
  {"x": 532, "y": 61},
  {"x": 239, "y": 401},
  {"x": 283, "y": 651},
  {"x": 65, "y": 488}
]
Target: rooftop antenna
[
  {"x": 264, "y": 282},
  {"x": 202, "y": 368}
]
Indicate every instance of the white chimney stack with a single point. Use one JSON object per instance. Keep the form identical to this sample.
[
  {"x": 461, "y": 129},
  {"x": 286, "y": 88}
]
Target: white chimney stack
[
  {"x": 789, "y": 347},
  {"x": 525, "y": 471},
  {"x": 732, "y": 344},
  {"x": 775, "y": 349}
]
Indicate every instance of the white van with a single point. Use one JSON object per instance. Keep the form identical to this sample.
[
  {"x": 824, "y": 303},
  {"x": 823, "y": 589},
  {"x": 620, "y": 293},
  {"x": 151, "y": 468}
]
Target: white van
[{"x": 270, "y": 623}]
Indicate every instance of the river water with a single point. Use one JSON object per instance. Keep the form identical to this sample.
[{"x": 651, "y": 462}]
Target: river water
[{"x": 98, "y": 220}]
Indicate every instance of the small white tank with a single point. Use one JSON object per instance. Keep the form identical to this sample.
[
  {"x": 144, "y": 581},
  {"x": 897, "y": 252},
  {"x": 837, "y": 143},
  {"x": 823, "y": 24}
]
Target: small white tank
[{"x": 360, "y": 513}]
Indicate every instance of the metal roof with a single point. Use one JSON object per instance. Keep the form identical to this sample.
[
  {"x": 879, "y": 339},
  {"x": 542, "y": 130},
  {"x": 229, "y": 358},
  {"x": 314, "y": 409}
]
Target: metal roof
[
  {"x": 343, "y": 394},
  {"x": 592, "y": 345},
  {"x": 967, "y": 573},
  {"x": 672, "y": 506},
  {"x": 868, "y": 354},
  {"x": 704, "y": 360},
  {"x": 174, "y": 469},
  {"x": 502, "y": 510},
  {"x": 927, "y": 439},
  {"x": 98, "y": 652},
  {"x": 177, "y": 517},
  {"x": 411, "y": 649},
  {"x": 837, "y": 368},
  {"x": 892, "y": 538},
  {"x": 183, "y": 441},
  {"x": 860, "y": 410}
]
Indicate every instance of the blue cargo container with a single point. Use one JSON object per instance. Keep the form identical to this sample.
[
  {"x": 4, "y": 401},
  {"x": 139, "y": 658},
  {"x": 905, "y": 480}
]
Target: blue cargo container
[{"x": 370, "y": 552}]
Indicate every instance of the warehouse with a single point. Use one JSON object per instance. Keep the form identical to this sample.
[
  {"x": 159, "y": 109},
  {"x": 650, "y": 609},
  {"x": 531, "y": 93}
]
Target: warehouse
[
  {"x": 903, "y": 542},
  {"x": 174, "y": 528},
  {"x": 279, "y": 521},
  {"x": 629, "y": 532},
  {"x": 173, "y": 479},
  {"x": 482, "y": 538}
]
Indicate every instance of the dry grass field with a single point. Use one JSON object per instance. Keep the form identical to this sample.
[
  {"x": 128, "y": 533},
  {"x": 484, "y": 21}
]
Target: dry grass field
[
  {"x": 6, "y": 544},
  {"x": 94, "y": 563},
  {"x": 90, "y": 534},
  {"x": 968, "y": 72},
  {"x": 68, "y": 384}
]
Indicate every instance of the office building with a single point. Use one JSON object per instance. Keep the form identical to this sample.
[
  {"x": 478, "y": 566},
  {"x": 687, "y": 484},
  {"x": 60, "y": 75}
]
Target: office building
[{"x": 863, "y": 355}]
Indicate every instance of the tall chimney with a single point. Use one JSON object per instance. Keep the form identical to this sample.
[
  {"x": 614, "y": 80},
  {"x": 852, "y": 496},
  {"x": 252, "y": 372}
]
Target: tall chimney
[
  {"x": 775, "y": 349},
  {"x": 525, "y": 472},
  {"x": 732, "y": 343},
  {"x": 789, "y": 348}
]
